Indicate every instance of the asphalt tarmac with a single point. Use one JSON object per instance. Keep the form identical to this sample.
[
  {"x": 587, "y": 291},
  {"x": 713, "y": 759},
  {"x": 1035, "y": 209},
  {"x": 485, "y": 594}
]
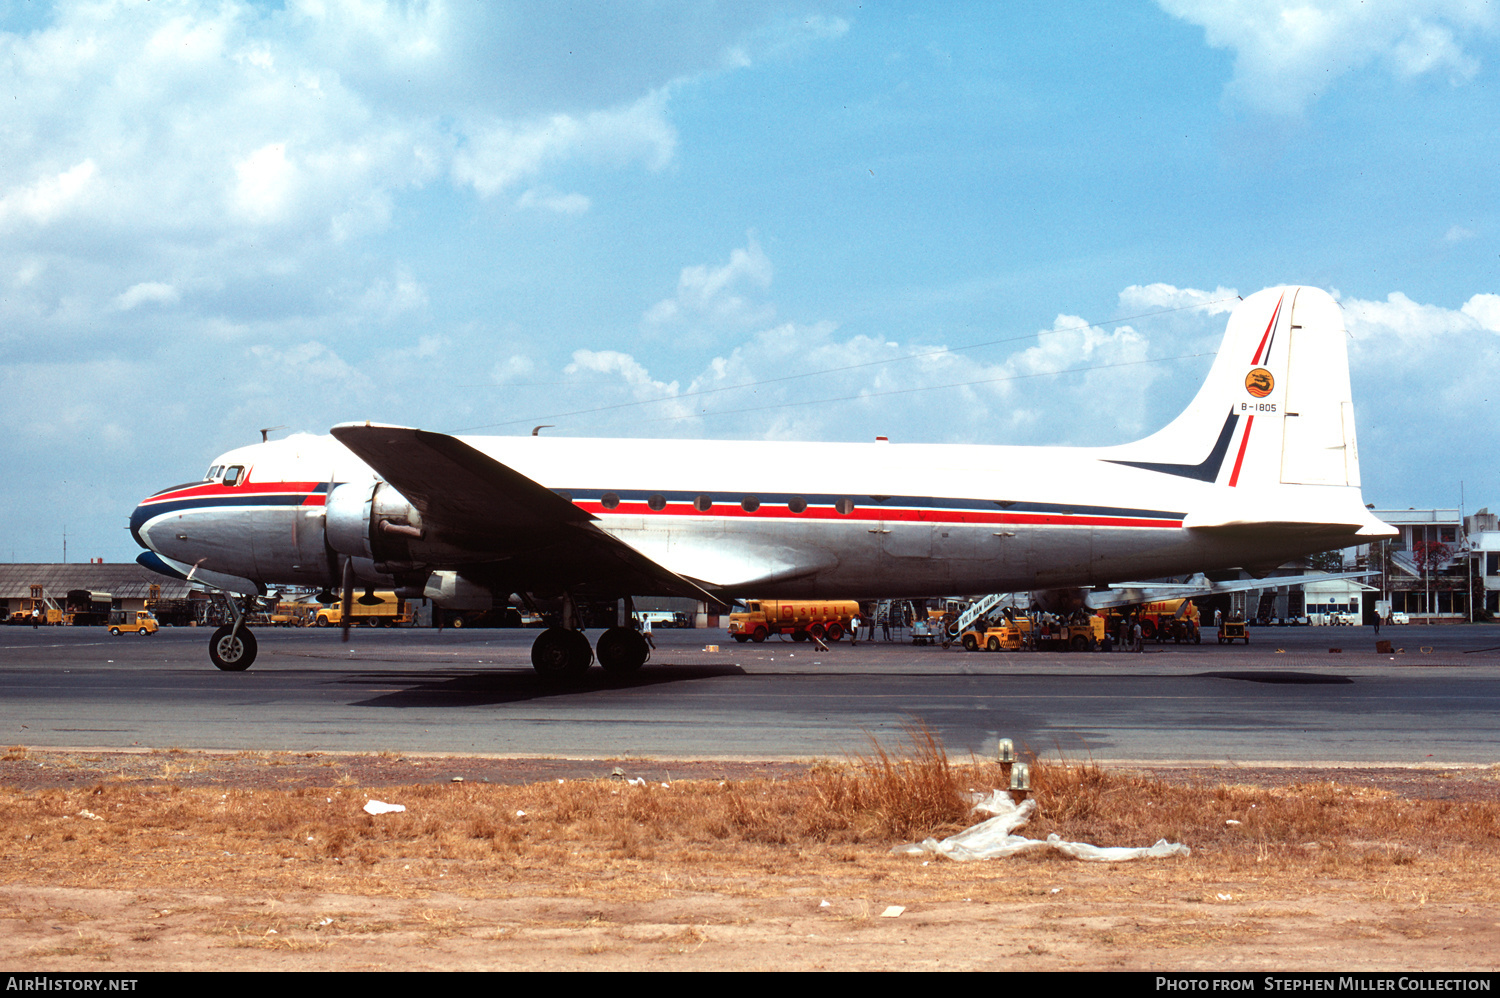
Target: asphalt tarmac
[{"x": 1284, "y": 698}]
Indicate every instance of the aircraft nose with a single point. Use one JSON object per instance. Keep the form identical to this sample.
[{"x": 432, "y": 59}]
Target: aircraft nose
[
  {"x": 138, "y": 519},
  {"x": 151, "y": 506}
]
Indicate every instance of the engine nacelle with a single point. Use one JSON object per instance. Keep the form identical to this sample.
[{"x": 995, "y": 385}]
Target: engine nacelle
[
  {"x": 373, "y": 521},
  {"x": 454, "y": 592},
  {"x": 1061, "y": 601}
]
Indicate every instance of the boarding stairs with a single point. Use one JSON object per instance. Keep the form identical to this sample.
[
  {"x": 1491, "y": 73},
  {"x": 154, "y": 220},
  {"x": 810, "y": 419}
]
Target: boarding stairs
[{"x": 979, "y": 608}]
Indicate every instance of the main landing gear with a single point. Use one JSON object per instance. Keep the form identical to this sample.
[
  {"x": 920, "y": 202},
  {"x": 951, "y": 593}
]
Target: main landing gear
[
  {"x": 559, "y": 653},
  {"x": 564, "y": 653}
]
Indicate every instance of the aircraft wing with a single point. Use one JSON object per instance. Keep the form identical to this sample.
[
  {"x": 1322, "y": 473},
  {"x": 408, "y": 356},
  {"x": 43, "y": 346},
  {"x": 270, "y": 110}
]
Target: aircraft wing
[
  {"x": 1132, "y": 593},
  {"x": 522, "y": 528}
]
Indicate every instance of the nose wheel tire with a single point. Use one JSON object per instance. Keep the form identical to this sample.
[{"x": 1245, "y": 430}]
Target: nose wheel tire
[{"x": 232, "y": 652}]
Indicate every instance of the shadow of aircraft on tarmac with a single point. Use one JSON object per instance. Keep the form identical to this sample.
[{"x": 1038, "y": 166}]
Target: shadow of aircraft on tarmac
[{"x": 471, "y": 689}]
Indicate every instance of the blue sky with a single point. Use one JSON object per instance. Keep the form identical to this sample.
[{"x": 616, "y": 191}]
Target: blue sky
[{"x": 221, "y": 217}]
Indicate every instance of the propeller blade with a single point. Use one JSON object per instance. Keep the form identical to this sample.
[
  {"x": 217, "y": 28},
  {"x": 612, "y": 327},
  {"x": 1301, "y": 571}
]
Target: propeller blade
[{"x": 346, "y": 615}]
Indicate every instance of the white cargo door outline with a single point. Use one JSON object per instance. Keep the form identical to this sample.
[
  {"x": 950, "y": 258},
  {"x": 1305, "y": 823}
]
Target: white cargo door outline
[{"x": 1316, "y": 448}]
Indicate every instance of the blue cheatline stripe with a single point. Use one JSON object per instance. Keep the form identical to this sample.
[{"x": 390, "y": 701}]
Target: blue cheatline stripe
[
  {"x": 153, "y": 561},
  {"x": 720, "y": 497},
  {"x": 1205, "y": 471},
  {"x": 144, "y": 512}
]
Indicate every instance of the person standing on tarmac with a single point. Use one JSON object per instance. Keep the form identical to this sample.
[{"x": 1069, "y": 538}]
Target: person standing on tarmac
[{"x": 854, "y": 630}]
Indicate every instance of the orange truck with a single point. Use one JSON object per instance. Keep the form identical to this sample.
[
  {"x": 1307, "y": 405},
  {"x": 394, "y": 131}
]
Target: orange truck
[
  {"x": 827, "y": 620},
  {"x": 1165, "y": 620}
]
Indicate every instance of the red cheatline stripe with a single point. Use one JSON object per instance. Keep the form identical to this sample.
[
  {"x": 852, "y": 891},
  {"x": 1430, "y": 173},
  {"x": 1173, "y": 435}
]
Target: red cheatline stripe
[
  {"x": 1264, "y": 336},
  {"x": 215, "y": 490},
  {"x": 1234, "y": 476},
  {"x": 862, "y": 515}
]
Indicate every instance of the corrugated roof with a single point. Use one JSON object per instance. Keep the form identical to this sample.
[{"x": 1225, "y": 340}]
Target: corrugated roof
[{"x": 122, "y": 581}]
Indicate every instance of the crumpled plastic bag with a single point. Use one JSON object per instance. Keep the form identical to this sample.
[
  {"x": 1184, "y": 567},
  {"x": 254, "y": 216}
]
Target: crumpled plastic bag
[
  {"x": 381, "y": 807},
  {"x": 993, "y": 838}
]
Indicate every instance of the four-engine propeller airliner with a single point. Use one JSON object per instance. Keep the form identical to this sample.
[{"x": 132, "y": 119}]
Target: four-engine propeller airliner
[{"x": 1261, "y": 467}]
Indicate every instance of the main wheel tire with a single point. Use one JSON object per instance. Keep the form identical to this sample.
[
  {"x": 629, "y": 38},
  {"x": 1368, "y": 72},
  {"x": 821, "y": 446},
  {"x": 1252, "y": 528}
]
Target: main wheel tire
[
  {"x": 1148, "y": 629},
  {"x": 834, "y": 632},
  {"x": 143, "y": 632},
  {"x": 622, "y": 651},
  {"x": 993, "y": 644},
  {"x": 456, "y": 622},
  {"x": 799, "y": 635},
  {"x": 115, "y": 631},
  {"x": 759, "y": 635},
  {"x": 1080, "y": 642},
  {"x": 971, "y": 643},
  {"x": 559, "y": 653},
  {"x": 232, "y": 652},
  {"x": 816, "y": 631},
  {"x": 742, "y": 638}
]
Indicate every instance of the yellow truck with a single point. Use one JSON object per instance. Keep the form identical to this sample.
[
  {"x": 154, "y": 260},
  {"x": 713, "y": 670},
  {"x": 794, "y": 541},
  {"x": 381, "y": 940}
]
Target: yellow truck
[
  {"x": 1007, "y": 636},
  {"x": 391, "y": 611},
  {"x": 50, "y": 615},
  {"x": 142, "y": 622},
  {"x": 827, "y": 620},
  {"x": 1012, "y": 635}
]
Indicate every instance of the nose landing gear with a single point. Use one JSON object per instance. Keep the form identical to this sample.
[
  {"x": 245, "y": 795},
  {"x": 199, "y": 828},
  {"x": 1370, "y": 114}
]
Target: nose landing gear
[
  {"x": 230, "y": 651},
  {"x": 232, "y": 647}
]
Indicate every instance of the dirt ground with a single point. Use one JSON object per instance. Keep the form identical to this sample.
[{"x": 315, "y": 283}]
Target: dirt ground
[{"x": 118, "y": 862}]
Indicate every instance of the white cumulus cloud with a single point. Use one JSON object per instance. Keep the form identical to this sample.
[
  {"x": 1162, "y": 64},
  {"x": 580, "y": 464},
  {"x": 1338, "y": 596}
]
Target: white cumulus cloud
[
  {"x": 153, "y": 292},
  {"x": 712, "y": 299},
  {"x": 1290, "y": 52},
  {"x": 499, "y": 154}
]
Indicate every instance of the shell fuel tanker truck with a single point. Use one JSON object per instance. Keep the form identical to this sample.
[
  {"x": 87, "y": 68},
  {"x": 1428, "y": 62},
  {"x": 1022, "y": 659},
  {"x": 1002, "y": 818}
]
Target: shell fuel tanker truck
[{"x": 826, "y": 620}]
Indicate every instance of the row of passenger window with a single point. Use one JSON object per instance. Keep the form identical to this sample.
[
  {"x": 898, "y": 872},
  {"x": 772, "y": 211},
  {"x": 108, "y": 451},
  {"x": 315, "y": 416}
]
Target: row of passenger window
[{"x": 704, "y": 503}]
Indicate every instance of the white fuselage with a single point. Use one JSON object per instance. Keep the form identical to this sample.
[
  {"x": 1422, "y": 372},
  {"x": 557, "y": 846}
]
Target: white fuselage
[{"x": 835, "y": 520}]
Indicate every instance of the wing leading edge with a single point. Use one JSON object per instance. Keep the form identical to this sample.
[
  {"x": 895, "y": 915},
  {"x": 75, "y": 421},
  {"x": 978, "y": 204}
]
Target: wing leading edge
[{"x": 531, "y": 532}]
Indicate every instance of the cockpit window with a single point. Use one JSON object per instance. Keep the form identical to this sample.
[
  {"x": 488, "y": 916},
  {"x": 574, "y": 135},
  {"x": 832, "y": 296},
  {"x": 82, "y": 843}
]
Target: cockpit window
[
  {"x": 232, "y": 475},
  {"x": 213, "y": 473}
]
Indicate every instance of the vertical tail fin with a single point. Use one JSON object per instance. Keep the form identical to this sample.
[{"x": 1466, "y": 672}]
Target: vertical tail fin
[{"x": 1275, "y": 408}]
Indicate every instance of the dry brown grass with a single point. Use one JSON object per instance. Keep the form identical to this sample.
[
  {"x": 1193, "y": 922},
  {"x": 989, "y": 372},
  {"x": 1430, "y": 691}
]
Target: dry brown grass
[
  {"x": 490, "y": 835},
  {"x": 681, "y": 870}
]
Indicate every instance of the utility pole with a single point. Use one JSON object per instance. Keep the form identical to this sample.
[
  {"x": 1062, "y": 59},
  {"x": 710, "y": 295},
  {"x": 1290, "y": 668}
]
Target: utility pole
[{"x": 1463, "y": 544}]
